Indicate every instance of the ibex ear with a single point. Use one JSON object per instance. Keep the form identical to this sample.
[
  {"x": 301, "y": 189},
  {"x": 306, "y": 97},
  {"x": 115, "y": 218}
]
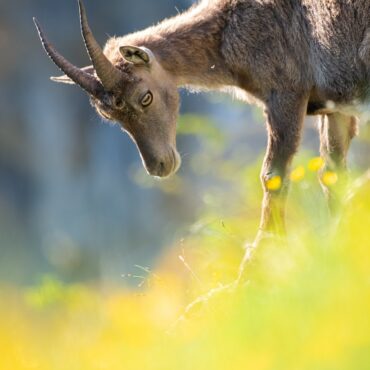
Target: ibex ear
[
  {"x": 66, "y": 80},
  {"x": 137, "y": 55}
]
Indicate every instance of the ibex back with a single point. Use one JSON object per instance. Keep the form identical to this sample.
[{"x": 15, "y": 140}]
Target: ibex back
[{"x": 293, "y": 57}]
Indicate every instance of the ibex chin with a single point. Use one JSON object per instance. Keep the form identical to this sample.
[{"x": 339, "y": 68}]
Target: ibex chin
[{"x": 294, "y": 57}]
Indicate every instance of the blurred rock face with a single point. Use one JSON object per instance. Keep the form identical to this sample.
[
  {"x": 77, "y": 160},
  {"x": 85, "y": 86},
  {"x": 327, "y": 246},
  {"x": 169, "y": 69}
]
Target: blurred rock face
[{"x": 64, "y": 175}]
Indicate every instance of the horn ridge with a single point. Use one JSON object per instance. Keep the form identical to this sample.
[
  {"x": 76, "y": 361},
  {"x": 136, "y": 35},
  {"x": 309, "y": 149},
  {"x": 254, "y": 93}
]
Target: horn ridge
[
  {"x": 86, "y": 81},
  {"x": 108, "y": 74}
]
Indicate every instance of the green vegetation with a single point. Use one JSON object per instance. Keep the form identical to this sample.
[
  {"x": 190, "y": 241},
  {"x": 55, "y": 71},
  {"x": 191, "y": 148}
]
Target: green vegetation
[{"x": 304, "y": 306}]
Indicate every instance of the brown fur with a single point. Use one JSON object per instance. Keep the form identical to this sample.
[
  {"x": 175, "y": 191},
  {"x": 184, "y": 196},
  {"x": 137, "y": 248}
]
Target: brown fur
[{"x": 294, "y": 57}]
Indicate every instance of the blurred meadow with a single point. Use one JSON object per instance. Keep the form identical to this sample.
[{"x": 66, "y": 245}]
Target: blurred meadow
[{"x": 102, "y": 267}]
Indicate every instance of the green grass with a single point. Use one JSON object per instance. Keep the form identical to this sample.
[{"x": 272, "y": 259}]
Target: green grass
[{"x": 304, "y": 306}]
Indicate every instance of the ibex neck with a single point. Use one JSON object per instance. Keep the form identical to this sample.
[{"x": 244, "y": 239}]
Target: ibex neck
[{"x": 188, "y": 46}]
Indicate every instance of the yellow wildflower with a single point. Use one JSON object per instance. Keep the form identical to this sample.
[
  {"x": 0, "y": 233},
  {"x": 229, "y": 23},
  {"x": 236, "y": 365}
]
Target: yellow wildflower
[
  {"x": 274, "y": 183},
  {"x": 315, "y": 164},
  {"x": 329, "y": 178},
  {"x": 297, "y": 174}
]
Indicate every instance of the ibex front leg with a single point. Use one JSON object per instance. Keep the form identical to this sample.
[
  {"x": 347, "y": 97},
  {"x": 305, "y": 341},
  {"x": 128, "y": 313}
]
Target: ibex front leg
[{"x": 285, "y": 114}]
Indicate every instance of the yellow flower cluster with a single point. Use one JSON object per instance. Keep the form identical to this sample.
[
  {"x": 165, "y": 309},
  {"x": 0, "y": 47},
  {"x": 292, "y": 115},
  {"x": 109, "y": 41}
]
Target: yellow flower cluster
[
  {"x": 329, "y": 178},
  {"x": 304, "y": 307}
]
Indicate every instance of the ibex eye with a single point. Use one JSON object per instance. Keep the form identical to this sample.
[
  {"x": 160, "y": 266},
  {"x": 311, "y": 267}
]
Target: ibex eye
[{"x": 147, "y": 99}]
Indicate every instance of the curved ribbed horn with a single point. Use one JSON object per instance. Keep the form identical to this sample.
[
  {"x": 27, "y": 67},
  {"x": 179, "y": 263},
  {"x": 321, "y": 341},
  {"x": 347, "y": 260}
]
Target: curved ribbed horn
[
  {"x": 109, "y": 75},
  {"x": 85, "y": 80}
]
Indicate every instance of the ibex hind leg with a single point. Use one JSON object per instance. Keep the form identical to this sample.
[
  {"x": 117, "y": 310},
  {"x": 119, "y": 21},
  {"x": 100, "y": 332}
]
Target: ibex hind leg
[{"x": 336, "y": 132}]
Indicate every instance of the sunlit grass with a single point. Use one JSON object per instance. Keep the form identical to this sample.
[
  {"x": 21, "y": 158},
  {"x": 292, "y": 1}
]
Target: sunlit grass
[{"x": 305, "y": 305}]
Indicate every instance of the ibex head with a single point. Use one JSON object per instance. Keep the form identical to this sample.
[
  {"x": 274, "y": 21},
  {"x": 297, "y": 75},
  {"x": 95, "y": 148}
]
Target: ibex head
[{"x": 135, "y": 91}]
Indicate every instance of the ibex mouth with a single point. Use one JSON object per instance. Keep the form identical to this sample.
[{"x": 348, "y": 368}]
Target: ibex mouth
[
  {"x": 176, "y": 161},
  {"x": 163, "y": 167}
]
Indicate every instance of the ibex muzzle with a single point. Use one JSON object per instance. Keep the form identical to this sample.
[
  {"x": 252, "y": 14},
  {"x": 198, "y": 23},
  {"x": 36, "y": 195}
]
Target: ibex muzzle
[{"x": 136, "y": 92}]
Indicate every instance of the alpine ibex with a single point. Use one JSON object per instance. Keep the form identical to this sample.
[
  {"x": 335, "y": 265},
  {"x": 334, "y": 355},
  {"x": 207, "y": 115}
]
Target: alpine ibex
[{"x": 295, "y": 57}]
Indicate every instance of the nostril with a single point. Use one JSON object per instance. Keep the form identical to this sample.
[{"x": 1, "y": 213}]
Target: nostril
[{"x": 161, "y": 165}]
